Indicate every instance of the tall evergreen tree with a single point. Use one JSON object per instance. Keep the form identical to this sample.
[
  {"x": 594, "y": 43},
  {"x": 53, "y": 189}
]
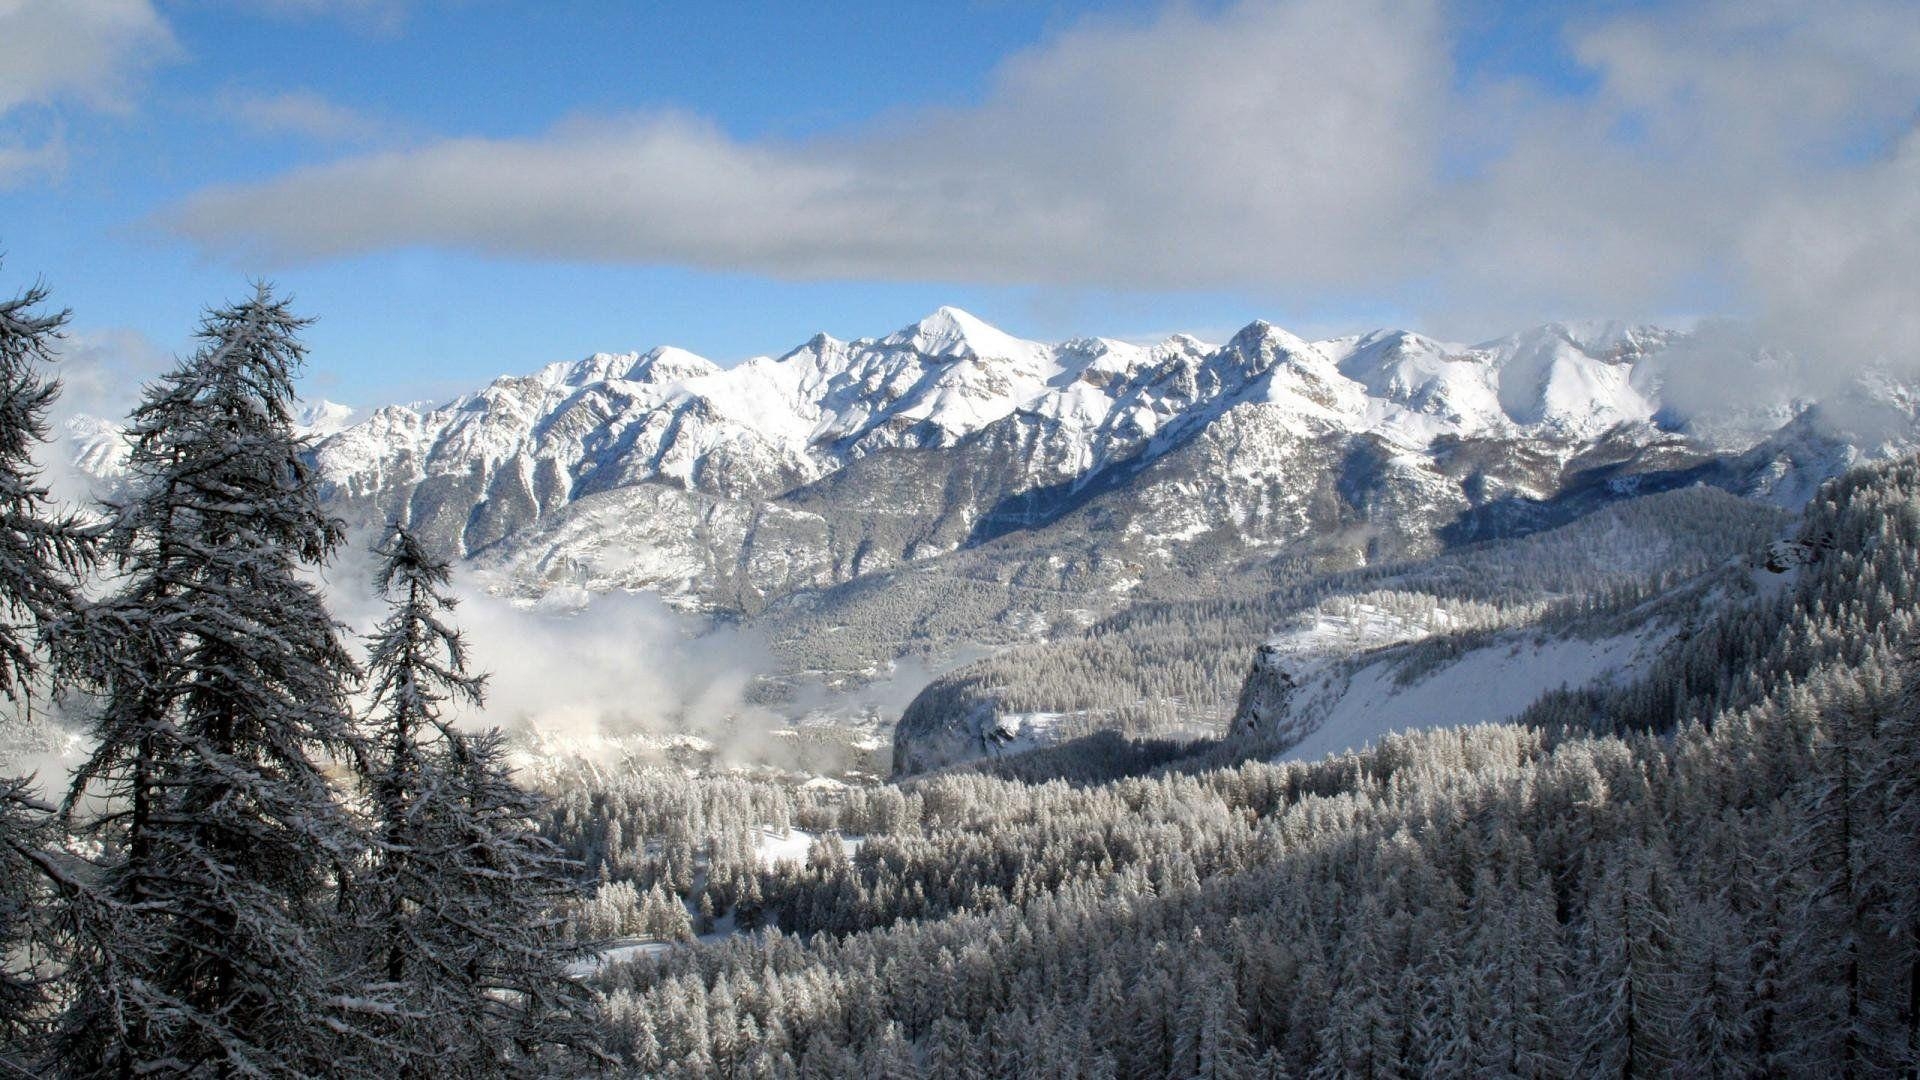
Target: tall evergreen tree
[
  {"x": 223, "y": 682},
  {"x": 1832, "y": 1016},
  {"x": 25, "y": 830},
  {"x": 416, "y": 663},
  {"x": 44, "y": 550},
  {"x": 1895, "y": 776},
  {"x": 1634, "y": 1022},
  {"x": 464, "y": 896},
  {"x": 505, "y": 887}
]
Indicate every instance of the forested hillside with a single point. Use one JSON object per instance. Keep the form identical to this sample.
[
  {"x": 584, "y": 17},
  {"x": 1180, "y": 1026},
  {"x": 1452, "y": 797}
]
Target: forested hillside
[
  {"x": 1723, "y": 885},
  {"x": 1166, "y": 665}
]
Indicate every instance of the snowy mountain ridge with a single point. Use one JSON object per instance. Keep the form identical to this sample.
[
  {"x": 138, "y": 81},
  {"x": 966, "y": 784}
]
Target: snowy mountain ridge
[
  {"x": 660, "y": 414},
  {"x": 487, "y": 469}
]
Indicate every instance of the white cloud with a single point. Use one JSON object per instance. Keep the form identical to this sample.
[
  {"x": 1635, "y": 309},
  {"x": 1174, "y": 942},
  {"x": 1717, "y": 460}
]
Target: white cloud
[
  {"x": 383, "y": 17},
  {"x": 21, "y": 161},
  {"x": 101, "y": 373},
  {"x": 307, "y": 115},
  {"x": 103, "y": 370},
  {"x": 587, "y": 671},
  {"x": 1127, "y": 153},
  {"x": 91, "y": 52},
  {"x": 1842, "y": 261},
  {"x": 86, "y": 50},
  {"x": 1299, "y": 147}
]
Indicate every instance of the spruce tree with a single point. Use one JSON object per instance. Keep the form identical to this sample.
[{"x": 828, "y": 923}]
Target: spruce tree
[
  {"x": 25, "y": 832},
  {"x": 463, "y": 904},
  {"x": 416, "y": 663},
  {"x": 223, "y": 686},
  {"x": 44, "y": 550},
  {"x": 1895, "y": 777},
  {"x": 506, "y": 887},
  {"x": 1830, "y": 1021}
]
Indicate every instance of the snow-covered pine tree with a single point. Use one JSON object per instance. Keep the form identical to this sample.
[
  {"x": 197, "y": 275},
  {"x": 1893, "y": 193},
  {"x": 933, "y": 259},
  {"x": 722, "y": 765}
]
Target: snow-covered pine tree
[
  {"x": 44, "y": 549},
  {"x": 25, "y": 831},
  {"x": 416, "y": 664},
  {"x": 1895, "y": 776},
  {"x": 43, "y": 553},
  {"x": 223, "y": 685},
  {"x": 1830, "y": 1019},
  {"x": 463, "y": 902},
  {"x": 506, "y": 926}
]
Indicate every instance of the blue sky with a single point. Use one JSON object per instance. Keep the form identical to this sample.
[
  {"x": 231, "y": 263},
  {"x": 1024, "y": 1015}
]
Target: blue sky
[{"x": 772, "y": 170}]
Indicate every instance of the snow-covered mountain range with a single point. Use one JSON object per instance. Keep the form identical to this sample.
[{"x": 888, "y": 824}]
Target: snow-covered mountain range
[
  {"x": 730, "y": 488},
  {"x": 950, "y": 487}
]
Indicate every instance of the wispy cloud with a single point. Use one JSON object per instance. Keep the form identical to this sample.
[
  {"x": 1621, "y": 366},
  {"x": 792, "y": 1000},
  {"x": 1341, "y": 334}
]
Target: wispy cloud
[
  {"x": 378, "y": 17},
  {"x": 23, "y": 160},
  {"x": 1115, "y": 152},
  {"x": 101, "y": 373},
  {"x": 307, "y": 115},
  {"x": 1298, "y": 147}
]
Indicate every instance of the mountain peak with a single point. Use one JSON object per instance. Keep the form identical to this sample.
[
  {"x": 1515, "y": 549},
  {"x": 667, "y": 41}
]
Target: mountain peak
[
  {"x": 668, "y": 363},
  {"x": 1261, "y": 336},
  {"x": 1599, "y": 338},
  {"x": 951, "y": 332},
  {"x": 820, "y": 345},
  {"x": 322, "y": 418}
]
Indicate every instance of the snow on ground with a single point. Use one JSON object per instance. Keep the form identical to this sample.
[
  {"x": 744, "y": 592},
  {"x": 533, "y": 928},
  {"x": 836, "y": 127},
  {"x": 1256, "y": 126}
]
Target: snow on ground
[
  {"x": 615, "y": 954},
  {"x": 774, "y": 848},
  {"x": 1346, "y": 626},
  {"x": 1486, "y": 685},
  {"x": 1320, "y": 638},
  {"x": 543, "y": 744},
  {"x": 1014, "y": 733}
]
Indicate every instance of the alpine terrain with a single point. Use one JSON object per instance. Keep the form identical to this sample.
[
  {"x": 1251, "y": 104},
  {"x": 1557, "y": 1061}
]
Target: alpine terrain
[{"x": 1099, "y": 534}]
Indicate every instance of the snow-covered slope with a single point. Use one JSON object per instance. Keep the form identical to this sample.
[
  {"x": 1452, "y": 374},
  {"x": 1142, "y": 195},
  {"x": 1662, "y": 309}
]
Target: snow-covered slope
[
  {"x": 1343, "y": 649},
  {"x": 1348, "y": 672},
  {"x": 1319, "y": 694},
  {"x": 1687, "y": 644}
]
